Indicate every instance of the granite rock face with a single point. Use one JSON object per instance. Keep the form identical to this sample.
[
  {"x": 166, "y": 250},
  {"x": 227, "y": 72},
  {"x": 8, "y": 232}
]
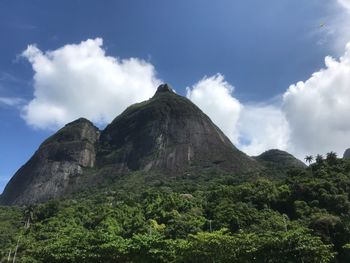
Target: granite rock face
[
  {"x": 166, "y": 134},
  {"x": 170, "y": 134},
  {"x": 346, "y": 154},
  {"x": 52, "y": 170}
]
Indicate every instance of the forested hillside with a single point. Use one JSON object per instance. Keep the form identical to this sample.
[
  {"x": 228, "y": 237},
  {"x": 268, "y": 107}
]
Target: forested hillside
[{"x": 214, "y": 218}]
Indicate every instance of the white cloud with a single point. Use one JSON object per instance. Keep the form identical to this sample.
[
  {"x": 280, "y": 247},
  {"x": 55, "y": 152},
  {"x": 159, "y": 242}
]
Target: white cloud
[
  {"x": 80, "y": 80},
  {"x": 253, "y": 128},
  {"x": 11, "y": 101},
  {"x": 345, "y": 4},
  {"x": 318, "y": 109},
  {"x": 314, "y": 116},
  {"x": 213, "y": 96},
  {"x": 333, "y": 29},
  {"x": 263, "y": 127},
  {"x": 337, "y": 27}
]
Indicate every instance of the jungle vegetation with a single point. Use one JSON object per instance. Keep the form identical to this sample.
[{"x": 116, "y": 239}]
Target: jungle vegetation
[{"x": 303, "y": 217}]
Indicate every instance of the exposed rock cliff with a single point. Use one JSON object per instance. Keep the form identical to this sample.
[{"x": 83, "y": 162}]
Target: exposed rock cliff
[
  {"x": 52, "y": 170},
  {"x": 346, "y": 154},
  {"x": 166, "y": 134},
  {"x": 169, "y": 133}
]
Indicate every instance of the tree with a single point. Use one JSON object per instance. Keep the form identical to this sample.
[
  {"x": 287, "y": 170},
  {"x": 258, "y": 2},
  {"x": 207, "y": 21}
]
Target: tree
[
  {"x": 331, "y": 158},
  {"x": 309, "y": 158},
  {"x": 319, "y": 159},
  {"x": 28, "y": 215},
  {"x": 153, "y": 248},
  {"x": 297, "y": 245}
]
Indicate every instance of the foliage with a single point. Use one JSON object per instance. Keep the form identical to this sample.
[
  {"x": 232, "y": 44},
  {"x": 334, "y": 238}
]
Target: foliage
[
  {"x": 289, "y": 246},
  {"x": 304, "y": 218}
]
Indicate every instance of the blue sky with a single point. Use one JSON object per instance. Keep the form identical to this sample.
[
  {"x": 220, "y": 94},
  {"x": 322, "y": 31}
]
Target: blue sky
[{"x": 245, "y": 54}]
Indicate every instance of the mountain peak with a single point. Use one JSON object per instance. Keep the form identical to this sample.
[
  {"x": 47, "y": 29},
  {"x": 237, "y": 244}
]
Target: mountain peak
[
  {"x": 164, "y": 88},
  {"x": 54, "y": 168},
  {"x": 166, "y": 135},
  {"x": 80, "y": 120}
]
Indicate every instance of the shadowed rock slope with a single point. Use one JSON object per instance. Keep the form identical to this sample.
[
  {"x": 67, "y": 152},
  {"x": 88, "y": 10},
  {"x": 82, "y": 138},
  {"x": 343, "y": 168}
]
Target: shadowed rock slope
[
  {"x": 55, "y": 166},
  {"x": 166, "y": 134}
]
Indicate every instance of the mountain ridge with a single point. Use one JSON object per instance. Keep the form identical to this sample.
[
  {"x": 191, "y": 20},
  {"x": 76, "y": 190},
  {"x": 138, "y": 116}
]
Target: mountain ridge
[{"x": 166, "y": 134}]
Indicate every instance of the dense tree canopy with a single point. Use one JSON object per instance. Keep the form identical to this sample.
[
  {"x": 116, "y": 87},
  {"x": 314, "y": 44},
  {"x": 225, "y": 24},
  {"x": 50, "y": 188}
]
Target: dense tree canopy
[{"x": 302, "y": 218}]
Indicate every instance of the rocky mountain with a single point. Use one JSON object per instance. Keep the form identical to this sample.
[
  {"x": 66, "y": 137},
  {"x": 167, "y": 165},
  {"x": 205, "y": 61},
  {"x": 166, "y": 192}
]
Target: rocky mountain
[
  {"x": 278, "y": 162},
  {"x": 346, "y": 154},
  {"x": 167, "y": 134},
  {"x": 55, "y": 166}
]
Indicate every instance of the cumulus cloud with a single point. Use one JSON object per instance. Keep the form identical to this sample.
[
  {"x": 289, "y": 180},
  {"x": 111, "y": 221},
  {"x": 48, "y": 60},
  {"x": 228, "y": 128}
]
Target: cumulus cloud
[
  {"x": 318, "y": 109},
  {"x": 263, "y": 127},
  {"x": 253, "y": 128},
  {"x": 213, "y": 96},
  {"x": 80, "y": 80},
  {"x": 311, "y": 118}
]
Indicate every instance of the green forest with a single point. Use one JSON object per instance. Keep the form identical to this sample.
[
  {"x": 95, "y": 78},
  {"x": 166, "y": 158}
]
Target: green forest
[{"x": 300, "y": 216}]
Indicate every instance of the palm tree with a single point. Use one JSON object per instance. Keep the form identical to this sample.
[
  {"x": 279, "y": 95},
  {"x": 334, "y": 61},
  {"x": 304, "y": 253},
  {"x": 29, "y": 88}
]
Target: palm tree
[
  {"x": 28, "y": 215},
  {"x": 309, "y": 158}
]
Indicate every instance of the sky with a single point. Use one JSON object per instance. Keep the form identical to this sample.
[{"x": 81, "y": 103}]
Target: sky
[{"x": 270, "y": 74}]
